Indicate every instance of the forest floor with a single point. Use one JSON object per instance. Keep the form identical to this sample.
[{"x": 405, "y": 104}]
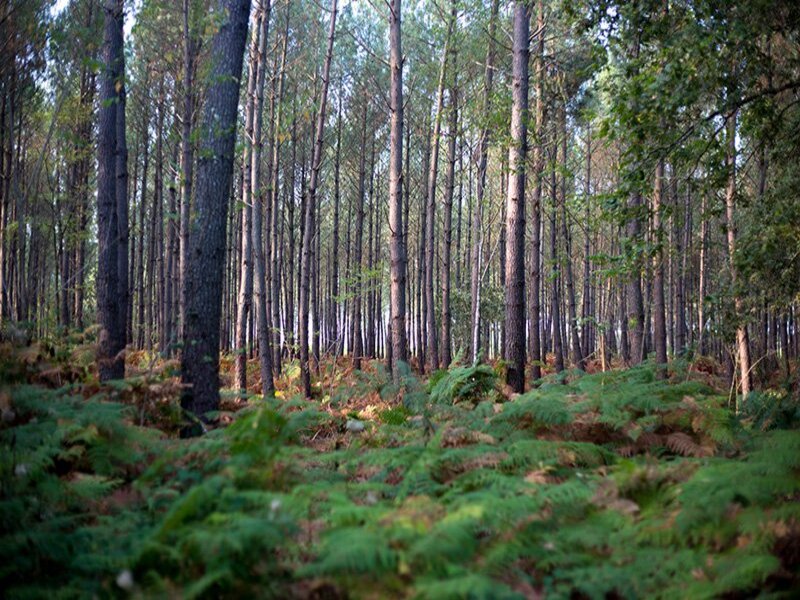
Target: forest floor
[{"x": 605, "y": 485}]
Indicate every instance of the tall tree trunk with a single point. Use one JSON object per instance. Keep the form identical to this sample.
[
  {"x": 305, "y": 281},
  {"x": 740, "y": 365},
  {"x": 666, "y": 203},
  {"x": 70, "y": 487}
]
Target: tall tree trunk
[
  {"x": 261, "y": 201},
  {"x": 140, "y": 342},
  {"x": 309, "y": 228},
  {"x": 536, "y": 206},
  {"x": 555, "y": 295},
  {"x": 187, "y": 158},
  {"x": 397, "y": 251},
  {"x": 445, "y": 347},
  {"x": 742, "y": 341},
  {"x": 273, "y": 279},
  {"x": 515, "y": 205},
  {"x": 206, "y": 258},
  {"x": 112, "y": 209},
  {"x": 566, "y": 231},
  {"x": 659, "y": 315},
  {"x": 635, "y": 300},
  {"x": 703, "y": 275},
  {"x": 432, "y": 350},
  {"x": 358, "y": 340},
  {"x": 587, "y": 311},
  {"x": 334, "y": 313},
  {"x": 244, "y": 303}
]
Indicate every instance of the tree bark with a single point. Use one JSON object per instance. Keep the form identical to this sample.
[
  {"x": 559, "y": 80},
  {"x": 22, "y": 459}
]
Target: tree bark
[
  {"x": 515, "y": 205},
  {"x": 397, "y": 249},
  {"x": 206, "y": 258},
  {"x": 445, "y": 348},
  {"x": 536, "y": 206},
  {"x": 659, "y": 315},
  {"x": 432, "y": 350},
  {"x": 245, "y": 301},
  {"x": 261, "y": 201},
  {"x": 742, "y": 340},
  {"x": 310, "y": 229},
  {"x": 112, "y": 208}
]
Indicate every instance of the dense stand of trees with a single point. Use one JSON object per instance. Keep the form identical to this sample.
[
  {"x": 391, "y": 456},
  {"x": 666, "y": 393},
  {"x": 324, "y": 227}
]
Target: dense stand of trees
[{"x": 357, "y": 183}]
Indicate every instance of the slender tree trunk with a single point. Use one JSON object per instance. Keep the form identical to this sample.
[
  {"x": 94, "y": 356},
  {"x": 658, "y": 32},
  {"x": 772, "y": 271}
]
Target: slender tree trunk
[
  {"x": 261, "y": 200},
  {"x": 397, "y": 249},
  {"x": 358, "y": 341},
  {"x": 587, "y": 311},
  {"x": 246, "y": 282},
  {"x": 309, "y": 229},
  {"x": 742, "y": 341},
  {"x": 555, "y": 296},
  {"x": 334, "y": 313},
  {"x": 659, "y": 315},
  {"x": 201, "y": 328},
  {"x": 536, "y": 206},
  {"x": 635, "y": 301},
  {"x": 432, "y": 350},
  {"x": 445, "y": 347},
  {"x": 515, "y": 205},
  {"x": 703, "y": 274},
  {"x": 140, "y": 343},
  {"x": 273, "y": 279},
  {"x": 566, "y": 231}
]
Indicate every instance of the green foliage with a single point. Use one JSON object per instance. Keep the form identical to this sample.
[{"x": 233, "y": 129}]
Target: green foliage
[
  {"x": 615, "y": 484},
  {"x": 462, "y": 384}
]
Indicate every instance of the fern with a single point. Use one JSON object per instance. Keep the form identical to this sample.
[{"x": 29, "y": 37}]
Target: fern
[{"x": 462, "y": 384}]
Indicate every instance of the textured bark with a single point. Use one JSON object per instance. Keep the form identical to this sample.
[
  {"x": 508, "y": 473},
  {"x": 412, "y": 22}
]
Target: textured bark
[
  {"x": 112, "y": 208},
  {"x": 515, "y": 205},
  {"x": 140, "y": 341},
  {"x": 201, "y": 328},
  {"x": 535, "y": 346},
  {"x": 432, "y": 349},
  {"x": 397, "y": 250},
  {"x": 635, "y": 314},
  {"x": 334, "y": 272},
  {"x": 659, "y": 314},
  {"x": 555, "y": 294},
  {"x": 566, "y": 232},
  {"x": 310, "y": 210},
  {"x": 273, "y": 278},
  {"x": 445, "y": 348},
  {"x": 358, "y": 341},
  {"x": 587, "y": 310},
  {"x": 187, "y": 151},
  {"x": 742, "y": 340},
  {"x": 261, "y": 202},
  {"x": 245, "y": 301},
  {"x": 703, "y": 277}
]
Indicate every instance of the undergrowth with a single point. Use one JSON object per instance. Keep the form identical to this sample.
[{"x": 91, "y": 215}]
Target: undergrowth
[{"x": 615, "y": 484}]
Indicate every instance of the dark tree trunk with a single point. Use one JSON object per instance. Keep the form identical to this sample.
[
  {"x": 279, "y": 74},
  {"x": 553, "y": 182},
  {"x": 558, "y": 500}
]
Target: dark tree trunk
[
  {"x": 112, "y": 208},
  {"x": 206, "y": 258},
  {"x": 515, "y": 205}
]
